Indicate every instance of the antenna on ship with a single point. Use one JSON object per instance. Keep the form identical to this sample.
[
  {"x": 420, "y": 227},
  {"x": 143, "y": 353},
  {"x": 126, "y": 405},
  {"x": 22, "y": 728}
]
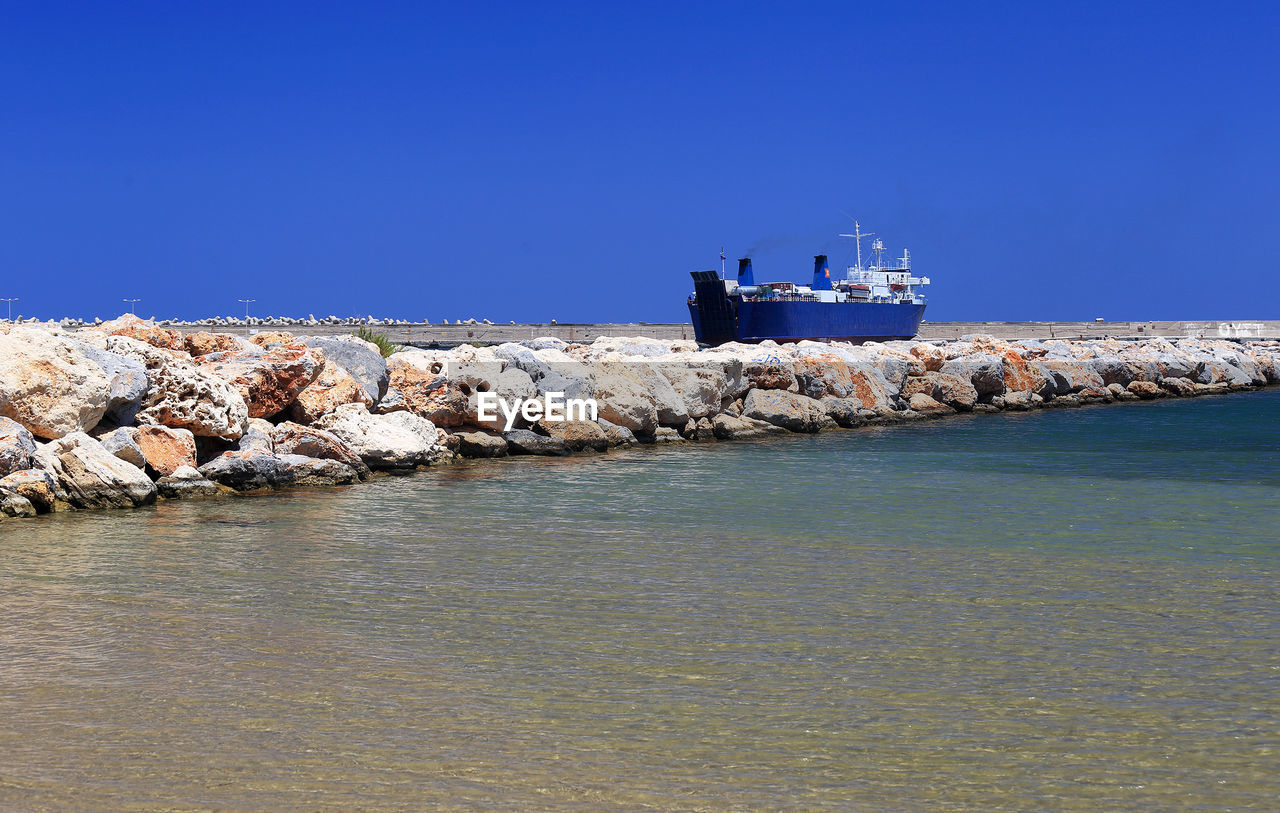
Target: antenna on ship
[
  {"x": 721, "y": 262},
  {"x": 858, "y": 235}
]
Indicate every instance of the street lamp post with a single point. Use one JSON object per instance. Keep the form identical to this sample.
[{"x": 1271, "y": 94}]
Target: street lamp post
[
  {"x": 132, "y": 302},
  {"x": 11, "y": 300},
  {"x": 246, "y": 313}
]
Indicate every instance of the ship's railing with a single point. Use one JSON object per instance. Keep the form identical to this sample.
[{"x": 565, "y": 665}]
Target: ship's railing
[
  {"x": 783, "y": 298},
  {"x": 884, "y": 278}
]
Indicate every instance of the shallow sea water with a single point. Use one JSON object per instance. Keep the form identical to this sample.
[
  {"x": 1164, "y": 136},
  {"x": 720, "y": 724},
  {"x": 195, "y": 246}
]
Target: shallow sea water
[{"x": 1068, "y": 610}]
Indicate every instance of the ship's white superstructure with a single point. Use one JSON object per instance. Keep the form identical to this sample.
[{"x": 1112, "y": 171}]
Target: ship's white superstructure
[{"x": 879, "y": 282}]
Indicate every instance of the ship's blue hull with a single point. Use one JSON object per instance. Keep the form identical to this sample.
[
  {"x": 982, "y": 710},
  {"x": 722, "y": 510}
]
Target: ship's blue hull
[{"x": 795, "y": 321}]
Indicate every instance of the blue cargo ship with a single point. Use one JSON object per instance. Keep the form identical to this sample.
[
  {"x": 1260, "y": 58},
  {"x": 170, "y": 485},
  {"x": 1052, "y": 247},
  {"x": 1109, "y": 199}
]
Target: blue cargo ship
[{"x": 873, "y": 303}]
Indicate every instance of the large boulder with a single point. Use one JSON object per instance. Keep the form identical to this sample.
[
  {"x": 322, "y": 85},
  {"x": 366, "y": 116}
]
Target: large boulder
[
  {"x": 203, "y": 343},
  {"x": 1145, "y": 389},
  {"x": 1072, "y": 376},
  {"x": 797, "y": 413},
  {"x": 952, "y": 390},
  {"x": 35, "y": 485},
  {"x": 91, "y": 476},
  {"x": 393, "y": 401},
  {"x": 931, "y": 356},
  {"x": 268, "y": 380},
  {"x": 400, "y": 440},
  {"x": 984, "y": 371},
  {"x": 1112, "y": 370},
  {"x": 13, "y": 504},
  {"x": 258, "y": 437},
  {"x": 244, "y": 470},
  {"x": 1268, "y": 360},
  {"x": 820, "y": 373},
  {"x": 1178, "y": 386},
  {"x": 577, "y": 436},
  {"x": 870, "y": 388},
  {"x": 619, "y": 436},
  {"x": 17, "y": 446},
  {"x": 127, "y": 381},
  {"x": 186, "y": 483},
  {"x": 770, "y": 371},
  {"x": 1022, "y": 376},
  {"x": 891, "y": 363},
  {"x": 48, "y": 385},
  {"x": 123, "y": 443},
  {"x": 183, "y": 395},
  {"x": 702, "y": 380},
  {"x": 271, "y": 338},
  {"x": 551, "y": 369},
  {"x": 846, "y": 412},
  {"x": 300, "y": 470},
  {"x": 526, "y": 442},
  {"x": 311, "y": 441},
  {"x": 638, "y": 395},
  {"x": 332, "y": 387},
  {"x": 732, "y": 427},
  {"x": 480, "y": 444},
  {"x": 513, "y": 387},
  {"x": 144, "y": 331},
  {"x": 624, "y": 397},
  {"x": 362, "y": 360},
  {"x": 927, "y": 405},
  {"x": 425, "y": 389},
  {"x": 166, "y": 450}
]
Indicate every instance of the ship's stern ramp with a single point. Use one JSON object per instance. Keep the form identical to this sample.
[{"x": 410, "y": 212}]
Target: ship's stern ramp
[{"x": 715, "y": 319}]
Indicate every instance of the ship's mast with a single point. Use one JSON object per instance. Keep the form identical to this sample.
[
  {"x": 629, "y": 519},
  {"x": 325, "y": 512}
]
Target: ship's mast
[{"x": 858, "y": 235}]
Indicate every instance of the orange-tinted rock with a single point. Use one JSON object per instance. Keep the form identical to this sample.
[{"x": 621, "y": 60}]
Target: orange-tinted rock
[
  {"x": 1019, "y": 376},
  {"x": 915, "y": 384},
  {"x": 272, "y": 337},
  {"x": 165, "y": 449},
  {"x": 1073, "y": 376},
  {"x": 770, "y": 374},
  {"x": 577, "y": 436},
  {"x": 1145, "y": 389},
  {"x": 332, "y": 387},
  {"x": 204, "y": 343},
  {"x": 268, "y": 380},
  {"x": 926, "y": 405},
  {"x": 1178, "y": 386},
  {"x": 429, "y": 394},
  {"x": 823, "y": 375},
  {"x": 930, "y": 356},
  {"x": 870, "y": 389},
  {"x": 293, "y": 438},
  {"x": 48, "y": 385},
  {"x": 951, "y": 390},
  {"x": 36, "y": 485},
  {"x": 142, "y": 330},
  {"x": 182, "y": 394},
  {"x": 792, "y": 411}
]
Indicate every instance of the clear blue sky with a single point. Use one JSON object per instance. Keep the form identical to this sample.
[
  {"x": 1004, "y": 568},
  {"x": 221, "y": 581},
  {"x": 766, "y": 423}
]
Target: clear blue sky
[{"x": 536, "y": 161}]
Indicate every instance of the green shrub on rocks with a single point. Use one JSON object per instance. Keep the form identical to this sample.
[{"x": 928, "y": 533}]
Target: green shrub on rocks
[{"x": 385, "y": 346}]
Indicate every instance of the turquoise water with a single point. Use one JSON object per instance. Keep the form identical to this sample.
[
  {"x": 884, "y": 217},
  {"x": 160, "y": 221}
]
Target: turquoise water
[{"x": 1055, "y": 610}]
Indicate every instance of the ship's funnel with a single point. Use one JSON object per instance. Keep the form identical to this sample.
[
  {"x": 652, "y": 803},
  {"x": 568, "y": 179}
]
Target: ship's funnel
[
  {"x": 745, "y": 277},
  {"x": 821, "y": 273}
]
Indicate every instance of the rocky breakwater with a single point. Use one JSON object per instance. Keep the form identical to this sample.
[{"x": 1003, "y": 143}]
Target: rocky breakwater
[{"x": 126, "y": 412}]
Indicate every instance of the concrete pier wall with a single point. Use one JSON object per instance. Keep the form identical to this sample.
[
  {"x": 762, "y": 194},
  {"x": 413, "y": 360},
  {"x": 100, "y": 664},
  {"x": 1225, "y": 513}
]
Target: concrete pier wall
[{"x": 452, "y": 335}]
